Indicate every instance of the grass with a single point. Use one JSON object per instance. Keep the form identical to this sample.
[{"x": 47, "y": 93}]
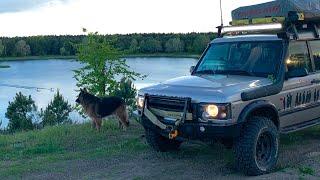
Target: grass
[
  {"x": 304, "y": 170},
  {"x": 29, "y": 151},
  {"x": 41, "y": 150},
  {"x": 301, "y": 136}
]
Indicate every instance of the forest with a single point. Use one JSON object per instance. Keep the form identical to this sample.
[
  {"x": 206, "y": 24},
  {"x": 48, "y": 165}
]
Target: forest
[{"x": 132, "y": 44}]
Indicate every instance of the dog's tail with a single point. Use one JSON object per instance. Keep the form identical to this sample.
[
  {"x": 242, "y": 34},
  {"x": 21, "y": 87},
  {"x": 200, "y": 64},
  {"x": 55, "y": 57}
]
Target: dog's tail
[{"x": 122, "y": 113}]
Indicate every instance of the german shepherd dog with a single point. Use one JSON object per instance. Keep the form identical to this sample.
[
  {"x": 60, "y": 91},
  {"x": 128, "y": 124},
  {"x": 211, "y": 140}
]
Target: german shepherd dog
[{"x": 99, "y": 108}]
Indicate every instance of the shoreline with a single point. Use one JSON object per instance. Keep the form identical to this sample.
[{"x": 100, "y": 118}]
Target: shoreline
[
  {"x": 169, "y": 55},
  {"x": 4, "y": 66},
  {"x": 163, "y": 55},
  {"x": 3, "y": 59}
]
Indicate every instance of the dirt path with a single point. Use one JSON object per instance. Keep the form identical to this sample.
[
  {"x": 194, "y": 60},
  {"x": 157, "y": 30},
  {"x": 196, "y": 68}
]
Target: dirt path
[{"x": 193, "y": 161}]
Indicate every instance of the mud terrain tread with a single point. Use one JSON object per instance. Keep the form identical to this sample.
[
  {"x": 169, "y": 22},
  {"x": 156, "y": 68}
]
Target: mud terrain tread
[
  {"x": 245, "y": 145},
  {"x": 160, "y": 143}
]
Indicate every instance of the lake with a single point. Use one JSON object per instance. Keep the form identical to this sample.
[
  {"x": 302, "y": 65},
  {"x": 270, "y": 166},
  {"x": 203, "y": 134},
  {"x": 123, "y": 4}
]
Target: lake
[{"x": 39, "y": 77}]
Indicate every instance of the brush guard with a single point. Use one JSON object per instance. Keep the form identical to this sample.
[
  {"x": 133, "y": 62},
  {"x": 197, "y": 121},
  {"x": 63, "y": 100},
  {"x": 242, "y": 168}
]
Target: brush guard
[{"x": 172, "y": 130}]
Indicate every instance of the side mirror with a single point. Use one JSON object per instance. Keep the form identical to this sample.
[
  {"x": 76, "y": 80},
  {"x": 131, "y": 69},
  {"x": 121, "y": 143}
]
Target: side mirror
[
  {"x": 297, "y": 72},
  {"x": 192, "y": 69}
]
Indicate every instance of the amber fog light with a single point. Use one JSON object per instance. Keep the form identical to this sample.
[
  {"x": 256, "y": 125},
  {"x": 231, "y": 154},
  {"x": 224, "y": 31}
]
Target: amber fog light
[{"x": 223, "y": 115}]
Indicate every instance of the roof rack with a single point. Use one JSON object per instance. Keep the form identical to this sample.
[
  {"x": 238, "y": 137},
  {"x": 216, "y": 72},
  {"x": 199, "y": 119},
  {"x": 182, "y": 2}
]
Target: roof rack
[{"x": 294, "y": 26}]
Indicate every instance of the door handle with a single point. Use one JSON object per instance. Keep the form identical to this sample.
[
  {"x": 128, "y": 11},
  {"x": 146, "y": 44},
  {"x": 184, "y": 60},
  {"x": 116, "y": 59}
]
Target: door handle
[{"x": 315, "y": 81}]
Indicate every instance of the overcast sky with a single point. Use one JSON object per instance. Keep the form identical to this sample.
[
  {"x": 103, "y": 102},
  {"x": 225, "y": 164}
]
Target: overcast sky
[{"x": 59, "y": 17}]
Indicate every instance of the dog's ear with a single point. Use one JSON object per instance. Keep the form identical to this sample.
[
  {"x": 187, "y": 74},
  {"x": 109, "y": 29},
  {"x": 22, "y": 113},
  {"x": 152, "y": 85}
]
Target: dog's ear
[{"x": 85, "y": 90}]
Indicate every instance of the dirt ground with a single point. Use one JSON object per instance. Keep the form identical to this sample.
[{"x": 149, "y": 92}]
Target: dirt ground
[{"x": 299, "y": 159}]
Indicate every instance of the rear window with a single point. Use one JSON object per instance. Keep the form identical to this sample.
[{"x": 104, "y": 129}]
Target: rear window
[{"x": 315, "y": 49}]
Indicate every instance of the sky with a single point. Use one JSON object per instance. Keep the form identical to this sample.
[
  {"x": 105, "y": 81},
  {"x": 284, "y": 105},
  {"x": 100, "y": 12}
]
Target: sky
[{"x": 61, "y": 17}]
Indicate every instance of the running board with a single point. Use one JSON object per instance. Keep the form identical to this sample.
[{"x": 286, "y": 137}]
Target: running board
[{"x": 298, "y": 127}]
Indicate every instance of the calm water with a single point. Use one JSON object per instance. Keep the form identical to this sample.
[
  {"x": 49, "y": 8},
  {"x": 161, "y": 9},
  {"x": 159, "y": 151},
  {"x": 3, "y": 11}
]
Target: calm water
[{"x": 57, "y": 74}]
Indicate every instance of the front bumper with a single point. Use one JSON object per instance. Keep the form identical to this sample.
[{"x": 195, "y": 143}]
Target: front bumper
[{"x": 196, "y": 130}]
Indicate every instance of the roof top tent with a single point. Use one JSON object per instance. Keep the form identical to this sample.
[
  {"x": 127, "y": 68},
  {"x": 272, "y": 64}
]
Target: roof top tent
[
  {"x": 295, "y": 18},
  {"x": 279, "y": 8}
]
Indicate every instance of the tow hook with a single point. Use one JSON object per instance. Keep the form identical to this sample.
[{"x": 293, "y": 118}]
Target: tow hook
[{"x": 173, "y": 134}]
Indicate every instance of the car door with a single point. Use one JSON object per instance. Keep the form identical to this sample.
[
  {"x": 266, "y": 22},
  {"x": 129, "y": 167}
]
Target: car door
[
  {"x": 314, "y": 49},
  {"x": 299, "y": 87}
]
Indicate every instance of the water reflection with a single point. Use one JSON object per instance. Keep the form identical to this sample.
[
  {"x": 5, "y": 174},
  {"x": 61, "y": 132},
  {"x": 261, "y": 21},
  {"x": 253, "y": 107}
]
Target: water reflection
[{"x": 30, "y": 76}]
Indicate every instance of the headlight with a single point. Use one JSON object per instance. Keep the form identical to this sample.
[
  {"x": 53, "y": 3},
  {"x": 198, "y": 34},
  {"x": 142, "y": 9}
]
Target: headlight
[
  {"x": 215, "y": 111},
  {"x": 140, "y": 102},
  {"x": 212, "y": 110}
]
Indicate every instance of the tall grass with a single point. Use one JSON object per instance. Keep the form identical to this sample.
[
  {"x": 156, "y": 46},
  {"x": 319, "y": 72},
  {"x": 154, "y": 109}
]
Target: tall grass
[{"x": 33, "y": 149}]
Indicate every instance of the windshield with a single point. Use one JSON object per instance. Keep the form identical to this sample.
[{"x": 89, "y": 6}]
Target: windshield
[{"x": 242, "y": 58}]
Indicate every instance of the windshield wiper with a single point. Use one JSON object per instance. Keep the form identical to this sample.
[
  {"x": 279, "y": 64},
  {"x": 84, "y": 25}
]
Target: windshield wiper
[
  {"x": 236, "y": 72},
  {"x": 206, "y": 72},
  {"x": 228, "y": 72}
]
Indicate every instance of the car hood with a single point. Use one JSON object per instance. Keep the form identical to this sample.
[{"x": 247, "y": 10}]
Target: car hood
[{"x": 207, "y": 88}]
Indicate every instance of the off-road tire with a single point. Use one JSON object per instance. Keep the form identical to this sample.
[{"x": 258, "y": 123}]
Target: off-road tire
[
  {"x": 161, "y": 143},
  {"x": 227, "y": 143},
  {"x": 249, "y": 158}
]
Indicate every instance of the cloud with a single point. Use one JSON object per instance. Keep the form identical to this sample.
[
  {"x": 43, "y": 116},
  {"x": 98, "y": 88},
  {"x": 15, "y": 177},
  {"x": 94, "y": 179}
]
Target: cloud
[
  {"x": 7, "y": 6},
  {"x": 61, "y": 17}
]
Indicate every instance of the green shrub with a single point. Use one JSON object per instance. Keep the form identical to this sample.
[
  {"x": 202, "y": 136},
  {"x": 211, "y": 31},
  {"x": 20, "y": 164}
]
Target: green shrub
[
  {"x": 57, "y": 111},
  {"x": 127, "y": 91},
  {"x": 21, "y": 113}
]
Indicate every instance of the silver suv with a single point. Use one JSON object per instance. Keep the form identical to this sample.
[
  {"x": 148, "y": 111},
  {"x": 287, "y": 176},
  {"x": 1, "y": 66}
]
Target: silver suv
[{"x": 244, "y": 92}]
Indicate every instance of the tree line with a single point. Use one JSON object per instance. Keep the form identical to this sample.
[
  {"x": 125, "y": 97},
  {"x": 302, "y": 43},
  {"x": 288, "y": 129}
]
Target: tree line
[{"x": 190, "y": 43}]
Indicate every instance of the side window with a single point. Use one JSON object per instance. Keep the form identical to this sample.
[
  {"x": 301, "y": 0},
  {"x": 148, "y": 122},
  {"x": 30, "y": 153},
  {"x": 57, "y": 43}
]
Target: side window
[
  {"x": 315, "y": 48},
  {"x": 298, "y": 57}
]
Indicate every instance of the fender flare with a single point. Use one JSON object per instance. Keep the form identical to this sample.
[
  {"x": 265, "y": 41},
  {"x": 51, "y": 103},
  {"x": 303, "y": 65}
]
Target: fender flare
[{"x": 243, "y": 117}]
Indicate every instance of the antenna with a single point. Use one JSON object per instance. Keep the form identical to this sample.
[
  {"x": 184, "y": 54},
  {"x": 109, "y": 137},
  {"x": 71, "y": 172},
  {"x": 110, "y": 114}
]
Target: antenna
[
  {"x": 221, "y": 13},
  {"x": 221, "y": 26}
]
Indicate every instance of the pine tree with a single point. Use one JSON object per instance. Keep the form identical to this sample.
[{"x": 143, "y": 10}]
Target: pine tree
[
  {"x": 57, "y": 111},
  {"x": 127, "y": 91},
  {"x": 20, "y": 113}
]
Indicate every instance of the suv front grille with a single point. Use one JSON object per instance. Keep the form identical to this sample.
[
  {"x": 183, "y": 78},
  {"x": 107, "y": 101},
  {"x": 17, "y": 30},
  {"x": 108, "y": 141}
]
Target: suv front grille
[{"x": 169, "y": 103}]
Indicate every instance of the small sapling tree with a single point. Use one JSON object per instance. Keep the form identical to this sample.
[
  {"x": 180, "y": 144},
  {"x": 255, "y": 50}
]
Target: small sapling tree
[
  {"x": 103, "y": 66},
  {"x": 57, "y": 112},
  {"x": 20, "y": 113}
]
